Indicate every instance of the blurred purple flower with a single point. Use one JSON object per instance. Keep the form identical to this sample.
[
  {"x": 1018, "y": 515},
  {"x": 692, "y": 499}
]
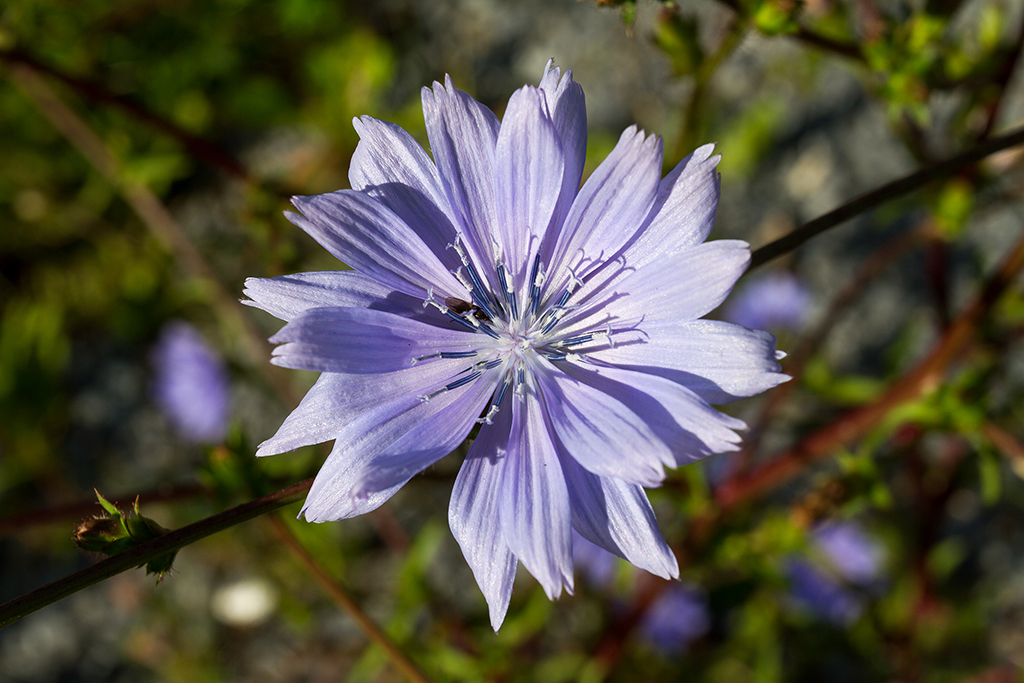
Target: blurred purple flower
[
  {"x": 677, "y": 617},
  {"x": 777, "y": 301},
  {"x": 855, "y": 555},
  {"x": 817, "y": 591},
  {"x": 596, "y": 563},
  {"x": 191, "y": 385},
  {"x": 851, "y": 556},
  {"x": 489, "y": 288}
]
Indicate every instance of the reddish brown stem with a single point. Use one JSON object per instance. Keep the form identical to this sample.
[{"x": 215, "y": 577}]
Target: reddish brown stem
[{"x": 925, "y": 377}]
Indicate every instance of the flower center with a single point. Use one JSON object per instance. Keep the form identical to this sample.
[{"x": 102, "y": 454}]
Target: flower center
[{"x": 521, "y": 334}]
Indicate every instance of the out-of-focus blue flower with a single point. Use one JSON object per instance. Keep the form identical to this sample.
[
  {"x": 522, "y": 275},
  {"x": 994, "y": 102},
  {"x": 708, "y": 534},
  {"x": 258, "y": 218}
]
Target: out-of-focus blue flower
[
  {"x": 596, "y": 563},
  {"x": 777, "y": 301},
  {"x": 846, "y": 553},
  {"x": 677, "y": 617},
  {"x": 489, "y": 288},
  {"x": 822, "y": 594},
  {"x": 855, "y": 555},
  {"x": 191, "y": 385}
]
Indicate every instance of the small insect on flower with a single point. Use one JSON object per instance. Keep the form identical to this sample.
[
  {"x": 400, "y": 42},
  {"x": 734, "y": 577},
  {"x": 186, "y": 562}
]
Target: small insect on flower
[
  {"x": 487, "y": 287},
  {"x": 463, "y": 307}
]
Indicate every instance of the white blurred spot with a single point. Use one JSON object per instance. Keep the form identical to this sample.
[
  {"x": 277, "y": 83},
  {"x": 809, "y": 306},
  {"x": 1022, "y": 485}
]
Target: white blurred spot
[
  {"x": 244, "y": 603},
  {"x": 810, "y": 171}
]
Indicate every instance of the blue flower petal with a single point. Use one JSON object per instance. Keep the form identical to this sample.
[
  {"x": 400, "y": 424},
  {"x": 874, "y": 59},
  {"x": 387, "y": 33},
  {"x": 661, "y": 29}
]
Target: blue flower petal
[
  {"x": 472, "y": 513},
  {"x": 287, "y": 296},
  {"x": 609, "y": 208},
  {"x": 376, "y": 437},
  {"x": 534, "y": 501},
  {"x": 601, "y": 433},
  {"x": 616, "y": 516},
  {"x": 528, "y": 179},
  {"x": 684, "y": 209},
  {"x": 359, "y": 340},
  {"x": 463, "y": 135},
  {"x": 390, "y": 166},
  {"x": 718, "y": 361},
  {"x": 690, "y": 427},
  {"x": 568, "y": 110},
  {"x": 368, "y": 237}
]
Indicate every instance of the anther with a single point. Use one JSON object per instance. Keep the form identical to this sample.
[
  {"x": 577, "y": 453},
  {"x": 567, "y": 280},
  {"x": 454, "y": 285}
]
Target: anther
[
  {"x": 501, "y": 392},
  {"x": 462, "y": 381}
]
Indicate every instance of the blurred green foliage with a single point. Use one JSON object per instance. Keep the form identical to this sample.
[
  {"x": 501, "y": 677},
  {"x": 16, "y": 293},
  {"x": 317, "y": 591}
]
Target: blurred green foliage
[{"x": 85, "y": 287}]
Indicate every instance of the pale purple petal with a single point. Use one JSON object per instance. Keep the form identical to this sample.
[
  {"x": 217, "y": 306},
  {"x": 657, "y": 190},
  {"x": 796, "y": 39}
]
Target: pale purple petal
[
  {"x": 534, "y": 503},
  {"x": 369, "y": 237},
  {"x": 719, "y": 361},
  {"x": 610, "y": 206},
  {"x": 680, "y": 287},
  {"x": 601, "y": 433},
  {"x": 617, "y": 516},
  {"x": 569, "y": 113},
  {"x": 390, "y": 166},
  {"x": 473, "y": 512},
  {"x": 434, "y": 438},
  {"x": 684, "y": 209},
  {"x": 287, "y": 296},
  {"x": 528, "y": 179},
  {"x": 338, "y": 398},
  {"x": 690, "y": 427},
  {"x": 463, "y": 135},
  {"x": 360, "y": 340},
  {"x": 339, "y": 489}
]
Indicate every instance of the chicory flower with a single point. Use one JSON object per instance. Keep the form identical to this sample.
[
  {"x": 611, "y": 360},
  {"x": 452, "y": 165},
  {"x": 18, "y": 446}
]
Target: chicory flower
[
  {"x": 191, "y": 384},
  {"x": 489, "y": 289},
  {"x": 676, "y": 618}
]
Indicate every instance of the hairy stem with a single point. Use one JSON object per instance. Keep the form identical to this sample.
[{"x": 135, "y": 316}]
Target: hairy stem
[
  {"x": 889, "y": 191},
  {"x": 19, "y": 607}
]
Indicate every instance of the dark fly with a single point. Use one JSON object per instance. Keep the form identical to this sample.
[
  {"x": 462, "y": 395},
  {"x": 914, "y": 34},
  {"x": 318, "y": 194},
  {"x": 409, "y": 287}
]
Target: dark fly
[{"x": 456, "y": 305}]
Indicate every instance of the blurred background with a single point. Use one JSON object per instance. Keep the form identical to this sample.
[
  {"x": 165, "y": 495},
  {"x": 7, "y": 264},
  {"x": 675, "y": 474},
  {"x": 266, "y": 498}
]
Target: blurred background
[{"x": 147, "y": 151}]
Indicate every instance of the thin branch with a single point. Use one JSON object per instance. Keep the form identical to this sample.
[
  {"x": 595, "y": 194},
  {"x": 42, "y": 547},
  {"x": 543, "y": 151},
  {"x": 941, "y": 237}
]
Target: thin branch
[
  {"x": 888, "y": 253},
  {"x": 19, "y": 607},
  {"x": 923, "y": 378},
  {"x": 844, "y": 49},
  {"x": 1002, "y": 80},
  {"x": 154, "y": 216},
  {"x": 197, "y": 147},
  {"x": 742, "y": 488},
  {"x": 345, "y": 601},
  {"x": 875, "y": 198},
  {"x": 63, "y": 513}
]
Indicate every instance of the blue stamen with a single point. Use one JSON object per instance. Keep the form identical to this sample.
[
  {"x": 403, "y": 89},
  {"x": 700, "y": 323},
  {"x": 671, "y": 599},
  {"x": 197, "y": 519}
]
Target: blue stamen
[
  {"x": 501, "y": 394},
  {"x": 506, "y": 292},
  {"x": 457, "y": 354},
  {"x": 463, "y": 381},
  {"x": 573, "y": 341},
  {"x": 452, "y": 315}
]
